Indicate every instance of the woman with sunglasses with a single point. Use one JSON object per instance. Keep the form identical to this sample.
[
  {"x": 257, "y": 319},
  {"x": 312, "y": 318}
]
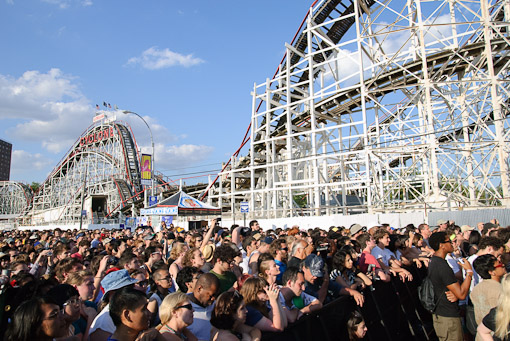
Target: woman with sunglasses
[
  {"x": 83, "y": 281},
  {"x": 176, "y": 314}
]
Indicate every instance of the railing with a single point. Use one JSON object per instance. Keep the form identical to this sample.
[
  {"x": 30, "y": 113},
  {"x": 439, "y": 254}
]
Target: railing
[{"x": 392, "y": 311}]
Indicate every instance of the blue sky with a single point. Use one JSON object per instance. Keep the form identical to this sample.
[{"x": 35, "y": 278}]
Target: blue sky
[{"x": 188, "y": 67}]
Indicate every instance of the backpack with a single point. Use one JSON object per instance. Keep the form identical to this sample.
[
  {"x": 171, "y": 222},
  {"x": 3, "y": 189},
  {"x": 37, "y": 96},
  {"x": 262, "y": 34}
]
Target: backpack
[{"x": 427, "y": 296}]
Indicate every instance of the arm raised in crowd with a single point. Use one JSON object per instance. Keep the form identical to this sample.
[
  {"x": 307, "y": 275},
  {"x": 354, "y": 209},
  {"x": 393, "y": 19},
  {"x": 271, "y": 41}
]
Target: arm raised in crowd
[{"x": 461, "y": 291}]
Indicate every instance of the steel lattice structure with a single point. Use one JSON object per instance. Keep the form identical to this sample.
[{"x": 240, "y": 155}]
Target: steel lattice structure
[
  {"x": 15, "y": 198},
  {"x": 381, "y": 106},
  {"x": 104, "y": 162}
]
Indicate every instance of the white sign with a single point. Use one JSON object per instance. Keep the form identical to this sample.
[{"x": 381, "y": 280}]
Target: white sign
[
  {"x": 245, "y": 207},
  {"x": 159, "y": 211}
]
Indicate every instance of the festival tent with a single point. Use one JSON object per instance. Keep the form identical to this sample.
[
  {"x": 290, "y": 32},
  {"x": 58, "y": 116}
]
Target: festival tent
[{"x": 181, "y": 204}]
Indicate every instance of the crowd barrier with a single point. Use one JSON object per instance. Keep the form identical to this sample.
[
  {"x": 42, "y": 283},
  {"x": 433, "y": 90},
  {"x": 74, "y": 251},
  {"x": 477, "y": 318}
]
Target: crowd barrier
[{"x": 392, "y": 311}]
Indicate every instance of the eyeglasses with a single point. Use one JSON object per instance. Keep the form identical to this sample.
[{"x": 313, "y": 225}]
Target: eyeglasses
[
  {"x": 75, "y": 301},
  {"x": 169, "y": 278},
  {"x": 186, "y": 306}
]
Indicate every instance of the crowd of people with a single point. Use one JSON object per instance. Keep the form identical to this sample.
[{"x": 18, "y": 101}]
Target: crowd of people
[{"x": 240, "y": 282}]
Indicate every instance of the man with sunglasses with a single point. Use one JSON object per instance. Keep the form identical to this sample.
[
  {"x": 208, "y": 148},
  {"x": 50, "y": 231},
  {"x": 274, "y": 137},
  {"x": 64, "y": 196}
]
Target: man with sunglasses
[
  {"x": 446, "y": 315},
  {"x": 223, "y": 261}
]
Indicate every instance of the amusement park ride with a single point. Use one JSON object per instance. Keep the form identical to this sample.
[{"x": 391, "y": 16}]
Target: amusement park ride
[{"x": 377, "y": 106}]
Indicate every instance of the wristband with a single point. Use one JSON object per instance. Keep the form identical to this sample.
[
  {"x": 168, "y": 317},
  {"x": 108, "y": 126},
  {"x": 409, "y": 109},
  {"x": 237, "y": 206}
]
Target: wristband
[{"x": 469, "y": 271}]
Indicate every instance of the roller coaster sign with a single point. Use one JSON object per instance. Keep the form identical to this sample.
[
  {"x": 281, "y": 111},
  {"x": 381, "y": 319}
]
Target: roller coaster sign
[{"x": 97, "y": 136}]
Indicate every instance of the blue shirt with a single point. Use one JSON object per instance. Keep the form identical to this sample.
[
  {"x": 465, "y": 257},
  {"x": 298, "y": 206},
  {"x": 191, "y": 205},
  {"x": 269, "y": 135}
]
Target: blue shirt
[{"x": 283, "y": 267}]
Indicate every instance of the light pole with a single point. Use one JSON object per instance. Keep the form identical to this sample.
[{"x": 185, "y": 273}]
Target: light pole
[{"x": 152, "y": 142}]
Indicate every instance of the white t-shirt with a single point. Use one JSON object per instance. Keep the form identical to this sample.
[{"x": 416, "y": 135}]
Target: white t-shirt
[{"x": 103, "y": 321}]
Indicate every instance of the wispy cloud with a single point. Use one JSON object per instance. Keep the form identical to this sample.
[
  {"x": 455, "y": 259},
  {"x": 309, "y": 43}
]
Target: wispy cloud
[
  {"x": 155, "y": 59},
  {"x": 63, "y": 4}
]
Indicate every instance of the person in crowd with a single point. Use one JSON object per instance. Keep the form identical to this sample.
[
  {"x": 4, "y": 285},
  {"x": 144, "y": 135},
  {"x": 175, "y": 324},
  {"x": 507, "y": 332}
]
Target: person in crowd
[
  {"x": 142, "y": 282},
  {"x": 202, "y": 298},
  {"x": 279, "y": 250},
  {"x": 385, "y": 257},
  {"x": 496, "y": 324},
  {"x": 152, "y": 255},
  {"x": 102, "y": 326},
  {"x": 228, "y": 318},
  {"x": 176, "y": 314},
  {"x": 293, "y": 296},
  {"x": 316, "y": 277},
  {"x": 257, "y": 294},
  {"x": 356, "y": 326},
  {"x": 162, "y": 282},
  {"x": 486, "y": 293},
  {"x": 298, "y": 253},
  {"x": 68, "y": 299},
  {"x": 223, "y": 260},
  {"x": 83, "y": 281},
  {"x": 128, "y": 260},
  {"x": 262, "y": 248},
  {"x": 187, "y": 278},
  {"x": 473, "y": 241},
  {"x": 344, "y": 274},
  {"x": 177, "y": 255},
  {"x": 249, "y": 246},
  {"x": 129, "y": 313},
  {"x": 268, "y": 269},
  {"x": 367, "y": 263},
  {"x": 488, "y": 245},
  {"x": 193, "y": 257},
  {"x": 37, "y": 319},
  {"x": 446, "y": 315}
]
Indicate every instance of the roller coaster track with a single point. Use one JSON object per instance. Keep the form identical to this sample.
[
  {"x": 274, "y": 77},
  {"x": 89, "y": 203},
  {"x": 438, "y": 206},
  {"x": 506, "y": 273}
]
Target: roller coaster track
[
  {"x": 103, "y": 162},
  {"x": 425, "y": 123}
]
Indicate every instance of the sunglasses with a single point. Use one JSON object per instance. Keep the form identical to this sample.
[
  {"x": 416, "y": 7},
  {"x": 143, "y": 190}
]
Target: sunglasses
[
  {"x": 75, "y": 301},
  {"x": 500, "y": 265},
  {"x": 186, "y": 306},
  {"x": 284, "y": 248}
]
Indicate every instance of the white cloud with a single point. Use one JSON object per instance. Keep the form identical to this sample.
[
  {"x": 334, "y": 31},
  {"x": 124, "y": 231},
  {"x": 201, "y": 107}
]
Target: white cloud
[
  {"x": 155, "y": 59},
  {"x": 49, "y": 107},
  {"x": 63, "y": 4},
  {"x": 24, "y": 164},
  {"x": 175, "y": 156}
]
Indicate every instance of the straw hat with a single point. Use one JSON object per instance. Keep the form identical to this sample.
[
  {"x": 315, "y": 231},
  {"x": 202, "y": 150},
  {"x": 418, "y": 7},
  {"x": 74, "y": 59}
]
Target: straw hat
[{"x": 208, "y": 252}]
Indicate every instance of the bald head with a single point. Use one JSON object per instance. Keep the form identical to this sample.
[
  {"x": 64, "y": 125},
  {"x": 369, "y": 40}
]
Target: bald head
[{"x": 207, "y": 281}]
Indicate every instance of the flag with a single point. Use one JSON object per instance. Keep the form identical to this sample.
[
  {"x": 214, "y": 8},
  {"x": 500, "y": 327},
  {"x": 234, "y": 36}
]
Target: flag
[
  {"x": 116, "y": 107},
  {"x": 109, "y": 106},
  {"x": 104, "y": 103},
  {"x": 97, "y": 106}
]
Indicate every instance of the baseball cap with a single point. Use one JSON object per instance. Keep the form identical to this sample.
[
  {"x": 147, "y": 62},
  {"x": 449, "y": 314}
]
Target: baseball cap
[
  {"x": 149, "y": 237},
  {"x": 441, "y": 221},
  {"x": 355, "y": 228},
  {"x": 315, "y": 264},
  {"x": 465, "y": 228},
  {"x": 245, "y": 231},
  {"x": 257, "y": 236},
  {"x": 267, "y": 240},
  {"x": 116, "y": 280},
  {"x": 180, "y": 229},
  {"x": 106, "y": 241}
]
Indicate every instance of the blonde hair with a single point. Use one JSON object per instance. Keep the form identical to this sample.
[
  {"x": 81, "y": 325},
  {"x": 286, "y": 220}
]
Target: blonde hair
[
  {"x": 168, "y": 305},
  {"x": 264, "y": 266},
  {"x": 177, "y": 249},
  {"x": 503, "y": 309},
  {"x": 78, "y": 277},
  {"x": 188, "y": 256}
]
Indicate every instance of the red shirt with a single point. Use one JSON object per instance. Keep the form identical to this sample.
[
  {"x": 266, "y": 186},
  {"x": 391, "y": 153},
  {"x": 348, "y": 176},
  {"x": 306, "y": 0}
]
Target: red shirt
[{"x": 365, "y": 259}]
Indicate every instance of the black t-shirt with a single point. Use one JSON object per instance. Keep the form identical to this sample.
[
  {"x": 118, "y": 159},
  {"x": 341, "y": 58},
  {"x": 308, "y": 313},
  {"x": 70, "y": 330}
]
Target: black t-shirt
[
  {"x": 490, "y": 322},
  {"x": 441, "y": 276},
  {"x": 294, "y": 262}
]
